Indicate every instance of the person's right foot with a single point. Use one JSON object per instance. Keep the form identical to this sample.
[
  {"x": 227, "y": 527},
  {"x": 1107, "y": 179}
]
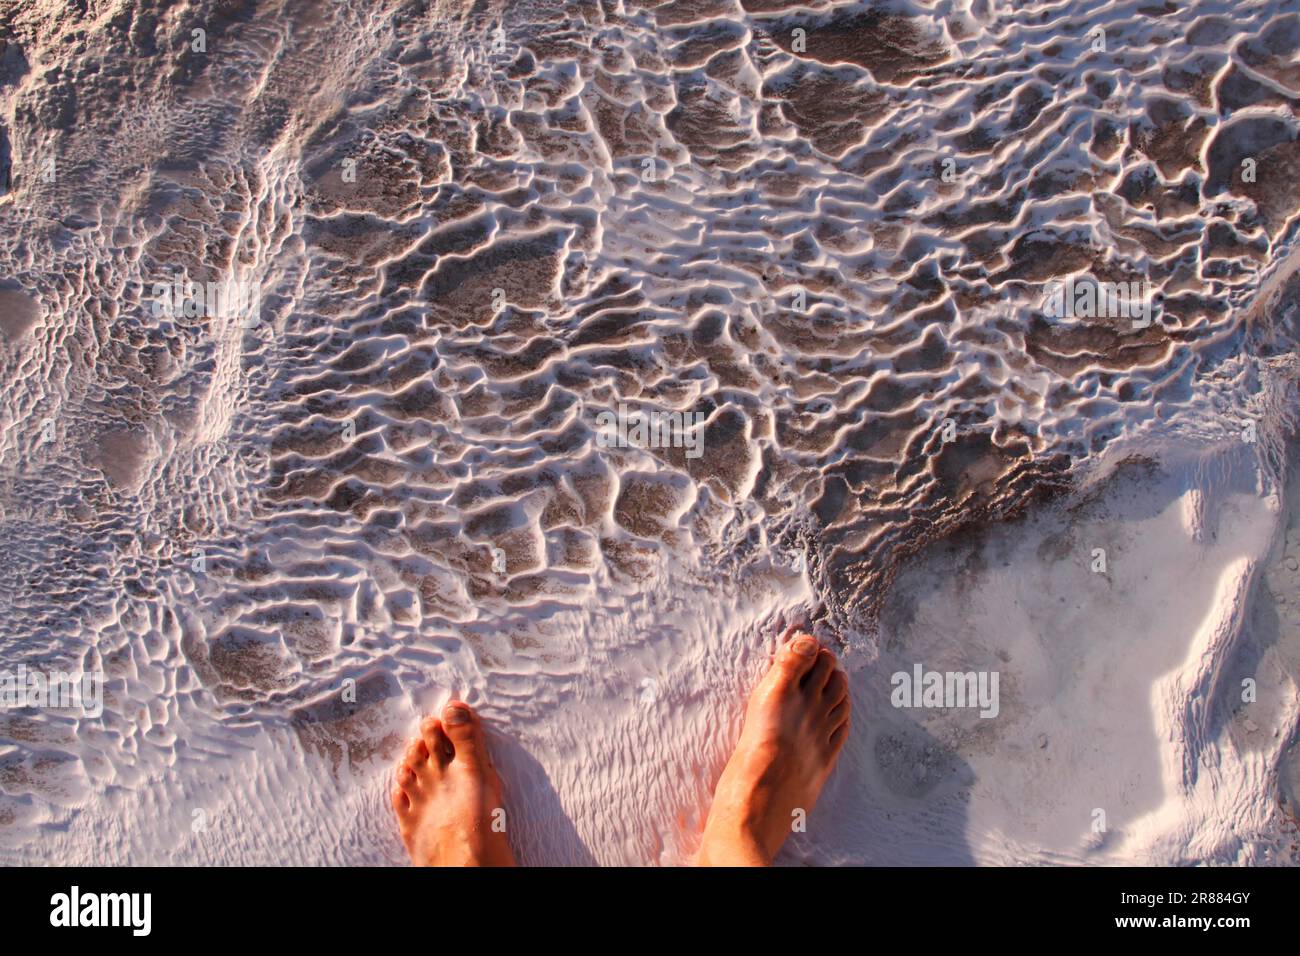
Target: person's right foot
[
  {"x": 448, "y": 797},
  {"x": 795, "y": 725}
]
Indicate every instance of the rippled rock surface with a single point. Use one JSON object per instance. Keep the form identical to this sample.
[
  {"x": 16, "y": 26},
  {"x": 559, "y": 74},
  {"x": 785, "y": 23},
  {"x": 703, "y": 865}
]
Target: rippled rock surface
[{"x": 825, "y": 234}]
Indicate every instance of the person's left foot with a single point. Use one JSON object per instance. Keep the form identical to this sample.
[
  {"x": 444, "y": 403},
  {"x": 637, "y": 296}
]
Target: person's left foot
[
  {"x": 448, "y": 797},
  {"x": 796, "y": 722}
]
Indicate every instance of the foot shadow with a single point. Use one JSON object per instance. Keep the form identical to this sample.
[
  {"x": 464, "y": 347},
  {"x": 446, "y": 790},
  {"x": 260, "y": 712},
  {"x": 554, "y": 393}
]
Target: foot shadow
[
  {"x": 540, "y": 831},
  {"x": 897, "y": 797}
]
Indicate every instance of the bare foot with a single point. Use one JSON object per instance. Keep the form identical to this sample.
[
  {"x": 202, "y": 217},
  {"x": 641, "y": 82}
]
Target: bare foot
[
  {"x": 795, "y": 725},
  {"x": 448, "y": 797}
]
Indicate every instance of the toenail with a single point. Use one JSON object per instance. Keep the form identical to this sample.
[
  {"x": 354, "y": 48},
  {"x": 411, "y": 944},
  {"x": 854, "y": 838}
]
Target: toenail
[
  {"x": 805, "y": 646},
  {"x": 456, "y": 715}
]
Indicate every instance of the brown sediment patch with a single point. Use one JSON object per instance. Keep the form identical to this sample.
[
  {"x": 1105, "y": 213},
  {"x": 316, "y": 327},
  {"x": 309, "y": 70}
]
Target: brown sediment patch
[
  {"x": 521, "y": 548},
  {"x": 1211, "y": 31},
  {"x": 594, "y": 486},
  {"x": 1188, "y": 308},
  {"x": 625, "y": 127},
  {"x": 1267, "y": 149},
  {"x": 770, "y": 6},
  {"x": 1103, "y": 343},
  {"x": 441, "y": 595},
  {"x": 256, "y": 567},
  {"x": 298, "y": 487},
  {"x": 502, "y": 365},
  {"x": 354, "y": 724},
  {"x": 1143, "y": 188},
  {"x": 240, "y": 663},
  {"x": 19, "y": 314},
  {"x": 1273, "y": 52},
  {"x": 559, "y": 44},
  {"x": 1107, "y": 139},
  {"x": 551, "y": 91},
  {"x": 808, "y": 434},
  {"x": 1194, "y": 76},
  {"x": 628, "y": 559},
  {"x": 495, "y": 136},
  {"x": 316, "y": 438},
  {"x": 808, "y": 337},
  {"x": 1237, "y": 91},
  {"x": 422, "y": 401},
  {"x": 727, "y": 454},
  {"x": 459, "y": 291},
  {"x": 360, "y": 241},
  {"x": 1029, "y": 102},
  {"x": 979, "y": 482},
  {"x": 612, "y": 328},
  {"x": 122, "y": 455},
  {"x": 880, "y": 442},
  {"x": 678, "y": 12},
  {"x": 1223, "y": 241},
  {"x": 733, "y": 70},
  {"x": 529, "y": 588},
  {"x": 1159, "y": 246},
  {"x": 25, "y": 730},
  {"x": 825, "y": 106},
  {"x": 553, "y": 145},
  {"x": 1002, "y": 210},
  {"x": 646, "y": 502},
  {"x": 304, "y": 630},
  {"x": 893, "y": 48},
  {"x": 573, "y": 550},
  {"x": 386, "y": 176},
  {"x": 51, "y": 774},
  {"x": 1173, "y": 137},
  {"x": 1004, "y": 493},
  {"x": 701, "y": 43},
  {"x": 971, "y": 465},
  {"x": 1045, "y": 254},
  {"x": 562, "y": 508},
  {"x": 705, "y": 126},
  {"x": 9, "y": 807}
]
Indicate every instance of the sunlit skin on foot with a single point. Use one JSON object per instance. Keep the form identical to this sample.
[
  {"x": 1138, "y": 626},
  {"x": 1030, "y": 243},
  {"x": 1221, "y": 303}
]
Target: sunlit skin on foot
[
  {"x": 448, "y": 796},
  {"x": 795, "y": 725}
]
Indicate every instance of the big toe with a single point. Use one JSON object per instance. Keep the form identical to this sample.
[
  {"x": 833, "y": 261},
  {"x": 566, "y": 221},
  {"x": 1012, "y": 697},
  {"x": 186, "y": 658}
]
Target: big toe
[
  {"x": 465, "y": 731},
  {"x": 795, "y": 659}
]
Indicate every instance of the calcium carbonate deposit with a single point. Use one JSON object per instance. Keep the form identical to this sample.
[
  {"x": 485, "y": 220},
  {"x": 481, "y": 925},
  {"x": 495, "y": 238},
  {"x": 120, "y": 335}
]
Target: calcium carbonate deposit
[{"x": 558, "y": 355}]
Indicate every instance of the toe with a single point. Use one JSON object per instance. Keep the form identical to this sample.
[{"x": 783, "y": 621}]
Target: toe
[
  {"x": 436, "y": 741},
  {"x": 401, "y": 802},
  {"x": 822, "y": 669},
  {"x": 837, "y": 687},
  {"x": 406, "y": 780},
  {"x": 796, "y": 658},
  {"x": 465, "y": 732},
  {"x": 417, "y": 754},
  {"x": 839, "y": 735},
  {"x": 838, "y": 714}
]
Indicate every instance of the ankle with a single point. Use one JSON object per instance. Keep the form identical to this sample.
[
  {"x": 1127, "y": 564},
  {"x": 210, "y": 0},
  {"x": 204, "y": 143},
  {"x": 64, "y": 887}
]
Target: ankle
[{"x": 732, "y": 839}]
